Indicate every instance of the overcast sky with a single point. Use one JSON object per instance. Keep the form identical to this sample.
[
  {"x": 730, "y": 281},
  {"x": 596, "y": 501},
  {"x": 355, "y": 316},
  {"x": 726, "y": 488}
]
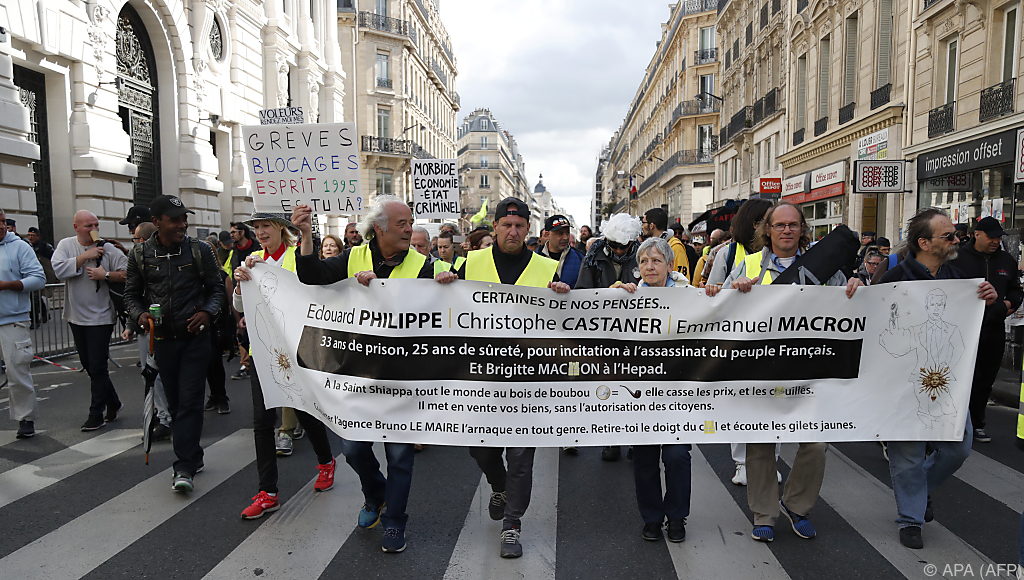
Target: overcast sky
[{"x": 557, "y": 74}]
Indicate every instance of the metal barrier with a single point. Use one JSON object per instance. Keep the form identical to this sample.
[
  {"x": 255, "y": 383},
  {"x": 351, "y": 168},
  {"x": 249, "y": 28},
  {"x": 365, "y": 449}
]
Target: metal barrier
[{"x": 51, "y": 336}]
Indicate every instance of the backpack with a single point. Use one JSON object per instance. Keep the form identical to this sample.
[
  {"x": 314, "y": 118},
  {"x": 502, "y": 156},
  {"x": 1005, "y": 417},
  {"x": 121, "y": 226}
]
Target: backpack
[{"x": 219, "y": 322}]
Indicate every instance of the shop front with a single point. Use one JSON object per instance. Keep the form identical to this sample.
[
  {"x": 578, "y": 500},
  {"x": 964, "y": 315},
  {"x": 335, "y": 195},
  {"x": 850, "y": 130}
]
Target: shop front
[
  {"x": 973, "y": 180},
  {"x": 820, "y": 195}
]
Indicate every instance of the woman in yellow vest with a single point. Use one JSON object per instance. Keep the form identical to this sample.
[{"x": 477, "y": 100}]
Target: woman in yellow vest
[
  {"x": 745, "y": 239},
  {"x": 278, "y": 250}
]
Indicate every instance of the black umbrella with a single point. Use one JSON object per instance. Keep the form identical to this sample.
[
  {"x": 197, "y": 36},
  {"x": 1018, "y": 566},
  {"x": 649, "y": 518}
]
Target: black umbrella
[{"x": 149, "y": 419}]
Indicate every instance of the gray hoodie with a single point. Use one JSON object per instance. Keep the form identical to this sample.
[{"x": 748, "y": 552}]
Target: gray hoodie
[{"x": 18, "y": 262}]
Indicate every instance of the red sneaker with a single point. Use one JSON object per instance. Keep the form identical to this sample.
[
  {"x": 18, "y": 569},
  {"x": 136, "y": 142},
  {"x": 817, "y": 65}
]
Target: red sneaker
[
  {"x": 263, "y": 503},
  {"x": 325, "y": 480}
]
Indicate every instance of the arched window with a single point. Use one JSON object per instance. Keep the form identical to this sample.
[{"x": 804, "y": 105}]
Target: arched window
[
  {"x": 137, "y": 100},
  {"x": 216, "y": 40}
]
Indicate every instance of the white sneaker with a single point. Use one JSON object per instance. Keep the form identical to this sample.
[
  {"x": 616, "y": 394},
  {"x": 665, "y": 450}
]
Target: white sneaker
[{"x": 741, "y": 474}]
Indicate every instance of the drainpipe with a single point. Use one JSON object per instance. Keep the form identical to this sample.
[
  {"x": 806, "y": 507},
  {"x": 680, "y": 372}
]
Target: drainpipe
[{"x": 908, "y": 108}]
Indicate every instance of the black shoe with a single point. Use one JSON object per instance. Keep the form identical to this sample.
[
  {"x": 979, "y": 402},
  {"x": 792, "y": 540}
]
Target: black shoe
[
  {"x": 93, "y": 423},
  {"x": 676, "y": 530},
  {"x": 211, "y": 404},
  {"x": 910, "y": 537},
  {"x": 929, "y": 515},
  {"x": 981, "y": 436},
  {"x": 243, "y": 373},
  {"x": 112, "y": 413},
  {"x": 652, "y": 531},
  {"x": 224, "y": 407},
  {"x": 612, "y": 453},
  {"x": 182, "y": 482},
  {"x": 510, "y": 546},
  {"x": 26, "y": 429},
  {"x": 496, "y": 507},
  {"x": 160, "y": 433}
]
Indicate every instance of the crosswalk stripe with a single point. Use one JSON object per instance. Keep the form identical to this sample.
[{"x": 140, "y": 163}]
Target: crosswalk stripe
[
  {"x": 8, "y": 437},
  {"x": 476, "y": 553},
  {"x": 46, "y": 471},
  {"x": 301, "y": 538},
  {"x": 712, "y": 548},
  {"x": 870, "y": 507},
  {"x": 123, "y": 519},
  {"x": 994, "y": 479}
]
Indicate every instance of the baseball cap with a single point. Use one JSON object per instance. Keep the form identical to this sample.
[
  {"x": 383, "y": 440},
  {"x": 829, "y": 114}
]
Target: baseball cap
[
  {"x": 869, "y": 234},
  {"x": 10, "y": 222},
  {"x": 169, "y": 206},
  {"x": 556, "y": 222},
  {"x": 137, "y": 214},
  {"x": 511, "y": 206},
  {"x": 33, "y": 230},
  {"x": 532, "y": 242},
  {"x": 224, "y": 236},
  {"x": 990, "y": 226}
]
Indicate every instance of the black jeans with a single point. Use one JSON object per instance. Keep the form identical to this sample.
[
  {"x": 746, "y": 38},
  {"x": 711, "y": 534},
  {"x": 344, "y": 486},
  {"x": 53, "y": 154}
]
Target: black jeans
[
  {"x": 215, "y": 372},
  {"x": 183, "y": 363},
  {"x": 986, "y": 367},
  {"x": 93, "y": 344},
  {"x": 263, "y": 421}
]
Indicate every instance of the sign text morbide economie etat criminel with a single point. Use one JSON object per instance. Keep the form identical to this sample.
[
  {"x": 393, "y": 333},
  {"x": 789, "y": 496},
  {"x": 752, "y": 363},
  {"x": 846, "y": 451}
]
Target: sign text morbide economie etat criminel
[
  {"x": 314, "y": 164},
  {"x": 435, "y": 189}
]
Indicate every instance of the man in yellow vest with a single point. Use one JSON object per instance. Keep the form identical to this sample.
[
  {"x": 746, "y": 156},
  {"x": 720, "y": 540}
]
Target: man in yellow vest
[
  {"x": 785, "y": 235},
  {"x": 446, "y": 253},
  {"x": 508, "y": 262},
  {"x": 388, "y": 227}
]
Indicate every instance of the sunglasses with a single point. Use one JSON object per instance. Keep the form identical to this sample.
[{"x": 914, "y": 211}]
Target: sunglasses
[
  {"x": 617, "y": 246},
  {"x": 949, "y": 237}
]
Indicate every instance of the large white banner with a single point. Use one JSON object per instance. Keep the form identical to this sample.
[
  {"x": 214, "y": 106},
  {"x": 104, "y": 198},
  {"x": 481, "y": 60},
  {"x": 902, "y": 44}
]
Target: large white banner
[
  {"x": 472, "y": 363},
  {"x": 316, "y": 164}
]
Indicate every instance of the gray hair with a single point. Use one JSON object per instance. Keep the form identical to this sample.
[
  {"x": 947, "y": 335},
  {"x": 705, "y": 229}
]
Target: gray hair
[
  {"x": 421, "y": 230},
  {"x": 377, "y": 215},
  {"x": 659, "y": 245}
]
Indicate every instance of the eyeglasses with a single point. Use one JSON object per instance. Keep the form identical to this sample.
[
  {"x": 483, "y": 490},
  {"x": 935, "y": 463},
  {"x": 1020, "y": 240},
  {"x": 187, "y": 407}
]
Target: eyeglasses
[
  {"x": 874, "y": 263},
  {"x": 795, "y": 226},
  {"x": 617, "y": 246},
  {"x": 948, "y": 236}
]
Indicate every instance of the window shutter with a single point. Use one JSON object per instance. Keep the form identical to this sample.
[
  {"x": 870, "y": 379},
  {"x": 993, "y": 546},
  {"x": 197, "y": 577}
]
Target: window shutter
[
  {"x": 801, "y": 92},
  {"x": 824, "y": 68},
  {"x": 850, "y": 82},
  {"x": 884, "y": 42}
]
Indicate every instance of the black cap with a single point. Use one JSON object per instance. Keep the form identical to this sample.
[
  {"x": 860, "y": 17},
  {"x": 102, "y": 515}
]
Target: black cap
[
  {"x": 511, "y": 206},
  {"x": 882, "y": 243},
  {"x": 961, "y": 228},
  {"x": 33, "y": 230},
  {"x": 676, "y": 227},
  {"x": 868, "y": 234},
  {"x": 136, "y": 215},
  {"x": 532, "y": 242},
  {"x": 169, "y": 206},
  {"x": 224, "y": 236},
  {"x": 10, "y": 222},
  {"x": 990, "y": 226},
  {"x": 556, "y": 222}
]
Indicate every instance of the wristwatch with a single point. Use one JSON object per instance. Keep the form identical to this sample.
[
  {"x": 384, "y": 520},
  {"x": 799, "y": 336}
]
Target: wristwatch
[{"x": 107, "y": 276}]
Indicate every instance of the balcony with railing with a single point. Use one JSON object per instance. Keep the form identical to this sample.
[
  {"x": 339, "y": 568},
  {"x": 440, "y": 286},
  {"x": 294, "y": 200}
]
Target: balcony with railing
[
  {"x": 697, "y": 106},
  {"x": 881, "y": 96},
  {"x": 457, "y": 99},
  {"x": 741, "y": 121},
  {"x": 705, "y": 56},
  {"x": 698, "y": 6},
  {"x": 996, "y": 101},
  {"x": 758, "y": 111},
  {"x": 940, "y": 120},
  {"x": 384, "y": 83},
  {"x": 439, "y": 71},
  {"x": 771, "y": 103},
  {"x": 383, "y": 23},
  {"x": 846, "y": 112},
  {"x": 798, "y": 136},
  {"x": 386, "y": 145},
  {"x": 820, "y": 126}
]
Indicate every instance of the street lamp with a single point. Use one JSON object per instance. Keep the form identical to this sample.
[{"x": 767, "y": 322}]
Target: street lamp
[{"x": 422, "y": 128}]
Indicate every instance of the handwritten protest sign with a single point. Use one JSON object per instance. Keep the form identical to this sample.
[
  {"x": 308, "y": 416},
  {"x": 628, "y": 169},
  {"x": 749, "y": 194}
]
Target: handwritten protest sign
[
  {"x": 435, "y": 189},
  {"x": 317, "y": 165}
]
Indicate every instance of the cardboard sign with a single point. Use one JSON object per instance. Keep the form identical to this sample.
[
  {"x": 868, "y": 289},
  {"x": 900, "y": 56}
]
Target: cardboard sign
[
  {"x": 435, "y": 189},
  {"x": 317, "y": 165}
]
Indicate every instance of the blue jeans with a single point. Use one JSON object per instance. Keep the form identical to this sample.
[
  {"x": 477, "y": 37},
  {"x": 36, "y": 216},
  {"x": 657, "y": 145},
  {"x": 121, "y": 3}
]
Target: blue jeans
[
  {"x": 183, "y": 363},
  {"x": 914, "y": 476},
  {"x": 675, "y": 504},
  {"x": 377, "y": 490}
]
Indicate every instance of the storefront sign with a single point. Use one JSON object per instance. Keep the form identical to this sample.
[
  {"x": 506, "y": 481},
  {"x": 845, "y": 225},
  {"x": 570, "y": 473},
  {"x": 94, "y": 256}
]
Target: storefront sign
[
  {"x": 471, "y": 363},
  {"x": 1018, "y": 158},
  {"x": 816, "y": 194},
  {"x": 835, "y": 173},
  {"x": 770, "y": 186},
  {"x": 874, "y": 146},
  {"x": 879, "y": 176},
  {"x": 988, "y": 151},
  {"x": 795, "y": 184}
]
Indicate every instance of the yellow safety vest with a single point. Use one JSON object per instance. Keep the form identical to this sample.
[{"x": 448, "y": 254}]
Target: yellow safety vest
[
  {"x": 360, "y": 260},
  {"x": 538, "y": 272},
  {"x": 753, "y": 263},
  {"x": 442, "y": 266},
  {"x": 227, "y": 265},
  {"x": 1020, "y": 414},
  {"x": 741, "y": 255}
]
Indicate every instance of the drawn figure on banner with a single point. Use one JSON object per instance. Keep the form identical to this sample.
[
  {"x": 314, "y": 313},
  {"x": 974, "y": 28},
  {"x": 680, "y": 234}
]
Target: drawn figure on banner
[
  {"x": 282, "y": 364},
  {"x": 938, "y": 346}
]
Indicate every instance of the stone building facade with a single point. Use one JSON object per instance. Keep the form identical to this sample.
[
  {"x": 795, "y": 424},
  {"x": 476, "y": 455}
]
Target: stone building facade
[
  {"x": 109, "y": 103},
  {"x": 490, "y": 165}
]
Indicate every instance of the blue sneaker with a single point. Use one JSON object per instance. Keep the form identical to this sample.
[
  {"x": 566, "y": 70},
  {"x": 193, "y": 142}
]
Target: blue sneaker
[
  {"x": 801, "y": 525},
  {"x": 369, "y": 516},
  {"x": 394, "y": 541},
  {"x": 763, "y": 533}
]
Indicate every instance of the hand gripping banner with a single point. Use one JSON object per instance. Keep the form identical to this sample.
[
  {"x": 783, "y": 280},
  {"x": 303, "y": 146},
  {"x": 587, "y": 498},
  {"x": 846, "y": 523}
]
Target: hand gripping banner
[{"x": 472, "y": 363}]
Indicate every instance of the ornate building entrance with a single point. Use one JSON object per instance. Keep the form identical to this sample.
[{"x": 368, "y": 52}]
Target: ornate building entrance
[
  {"x": 32, "y": 90},
  {"x": 137, "y": 100}
]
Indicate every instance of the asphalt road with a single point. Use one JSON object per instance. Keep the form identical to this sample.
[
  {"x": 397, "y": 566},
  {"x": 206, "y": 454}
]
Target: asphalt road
[{"x": 84, "y": 505}]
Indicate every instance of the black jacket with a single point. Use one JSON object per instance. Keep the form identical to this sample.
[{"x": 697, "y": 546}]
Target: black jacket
[
  {"x": 598, "y": 269},
  {"x": 316, "y": 272},
  {"x": 1000, "y": 269},
  {"x": 171, "y": 278},
  {"x": 910, "y": 269}
]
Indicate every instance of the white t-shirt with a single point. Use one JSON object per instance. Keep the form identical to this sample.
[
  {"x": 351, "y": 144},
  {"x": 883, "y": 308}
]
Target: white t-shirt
[{"x": 84, "y": 305}]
